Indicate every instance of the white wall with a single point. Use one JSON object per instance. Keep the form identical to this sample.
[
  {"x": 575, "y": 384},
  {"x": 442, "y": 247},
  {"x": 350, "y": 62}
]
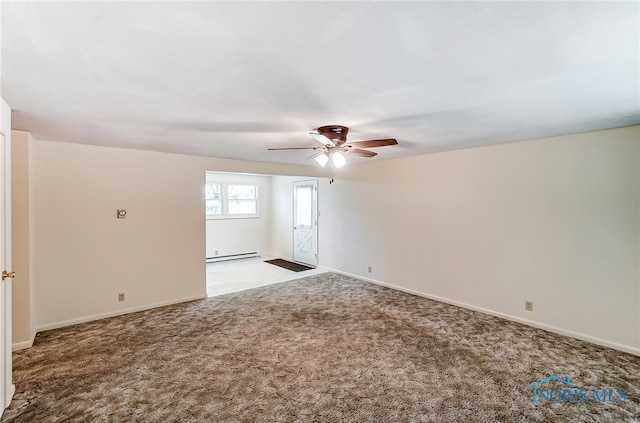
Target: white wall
[
  {"x": 241, "y": 235},
  {"x": 82, "y": 256},
  {"x": 282, "y": 216},
  {"x": 553, "y": 221},
  {"x": 23, "y": 321}
]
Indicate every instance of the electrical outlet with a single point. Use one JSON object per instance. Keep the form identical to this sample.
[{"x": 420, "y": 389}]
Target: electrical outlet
[
  {"x": 369, "y": 269},
  {"x": 121, "y": 296},
  {"x": 528, "y": 305}
]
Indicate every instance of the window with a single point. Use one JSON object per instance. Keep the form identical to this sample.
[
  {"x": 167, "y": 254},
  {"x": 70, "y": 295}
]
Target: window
[
  {"x": 224, "y": 200},
  {"x": 242, "y": 199},
  {"x": 213, "y": 199}
]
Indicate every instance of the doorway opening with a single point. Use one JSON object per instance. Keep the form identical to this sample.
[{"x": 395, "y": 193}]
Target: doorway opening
[{"x": 251, "y": 218}]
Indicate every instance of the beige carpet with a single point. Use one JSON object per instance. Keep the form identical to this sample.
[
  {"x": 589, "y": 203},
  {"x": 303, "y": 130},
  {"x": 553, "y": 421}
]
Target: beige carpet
[{"x": 325, "y": 348}]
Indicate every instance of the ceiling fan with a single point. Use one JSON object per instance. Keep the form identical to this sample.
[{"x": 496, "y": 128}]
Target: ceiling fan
[{"x": 334, "y": 145}]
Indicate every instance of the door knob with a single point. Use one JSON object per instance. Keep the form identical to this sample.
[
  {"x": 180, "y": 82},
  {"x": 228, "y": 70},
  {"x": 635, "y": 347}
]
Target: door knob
[{"x": 6, "y": 275}]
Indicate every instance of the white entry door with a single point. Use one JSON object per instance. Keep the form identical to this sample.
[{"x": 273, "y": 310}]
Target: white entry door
[
  {"x": 305, "y": 222},
  {"x": 6, "y": 387}
]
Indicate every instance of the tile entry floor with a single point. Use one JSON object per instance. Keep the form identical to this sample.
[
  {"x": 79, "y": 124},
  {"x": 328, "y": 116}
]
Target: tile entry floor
[{"x": 237, "y": 275}]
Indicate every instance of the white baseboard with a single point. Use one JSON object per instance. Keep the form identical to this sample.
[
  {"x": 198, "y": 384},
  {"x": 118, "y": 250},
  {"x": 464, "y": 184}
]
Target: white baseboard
[
  {"x": 114, "y": 313},
  {"x": 25, "y": 344},
  {"x": 217, "y": 259},
  {"x": 554, "y": 329}
]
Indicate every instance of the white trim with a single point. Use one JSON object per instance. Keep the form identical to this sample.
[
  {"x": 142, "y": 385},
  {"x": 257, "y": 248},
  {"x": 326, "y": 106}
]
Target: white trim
[
  {"x": 555, "y": 329},
  {"x": 25, "y": 344},
  {"x": 232, "y": 216},
  {"x": 22, "y": 345},
  {"x": 232, "y": 257},
  {"x": 85, "y": 319}
]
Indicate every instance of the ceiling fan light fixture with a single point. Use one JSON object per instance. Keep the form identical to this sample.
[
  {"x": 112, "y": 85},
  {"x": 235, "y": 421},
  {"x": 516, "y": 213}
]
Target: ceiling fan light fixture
[
  {"x": 334, "y": 146},
  {"x": 338, "y": 160},
  {"x": 322, "y": 139},
  {"x": 322, "y": 159}
]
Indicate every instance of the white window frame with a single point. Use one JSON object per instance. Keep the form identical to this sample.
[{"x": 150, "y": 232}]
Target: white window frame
[
  {"x": 224, "y": 187},
  {"x": 221, "y": 199}
]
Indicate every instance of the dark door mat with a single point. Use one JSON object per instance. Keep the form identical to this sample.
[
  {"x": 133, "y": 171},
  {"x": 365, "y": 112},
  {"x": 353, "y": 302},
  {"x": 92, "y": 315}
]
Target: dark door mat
[{"x": 296, "y": 267}]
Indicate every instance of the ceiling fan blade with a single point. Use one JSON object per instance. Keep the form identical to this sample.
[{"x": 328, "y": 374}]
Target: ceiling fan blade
[
  {"x": 361, "y": 153},
  {"x": 373, "y": 143},
  {"x": 322, "y": 139},
  {"x": 314, "y": 155},
  {"x": 295, "y": 148}
]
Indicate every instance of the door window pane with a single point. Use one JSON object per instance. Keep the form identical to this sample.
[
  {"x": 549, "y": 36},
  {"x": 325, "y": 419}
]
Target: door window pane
[{"x": 303, "y": 205}]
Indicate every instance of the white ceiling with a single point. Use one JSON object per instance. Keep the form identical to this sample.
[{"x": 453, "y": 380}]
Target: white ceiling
[{"x": 230, "y": 79}]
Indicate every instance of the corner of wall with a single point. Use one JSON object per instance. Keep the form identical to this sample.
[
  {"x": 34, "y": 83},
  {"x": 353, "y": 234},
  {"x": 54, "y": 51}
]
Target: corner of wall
[
  {"x": 532, "y": 323},
  {"x": 23, "y": 313},
  {"x": 488, "y": 228},
  {"x": 17, "y": 346}
]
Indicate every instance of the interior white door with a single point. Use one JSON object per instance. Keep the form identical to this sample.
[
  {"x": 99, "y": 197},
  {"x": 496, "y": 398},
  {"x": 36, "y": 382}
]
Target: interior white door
[
  {"x": 6, "y": 387},
  {"x": 305, "y": 222}
]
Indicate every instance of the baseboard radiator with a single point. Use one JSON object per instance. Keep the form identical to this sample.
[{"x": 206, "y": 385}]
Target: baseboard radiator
[{"x": 232, "y": 257}]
